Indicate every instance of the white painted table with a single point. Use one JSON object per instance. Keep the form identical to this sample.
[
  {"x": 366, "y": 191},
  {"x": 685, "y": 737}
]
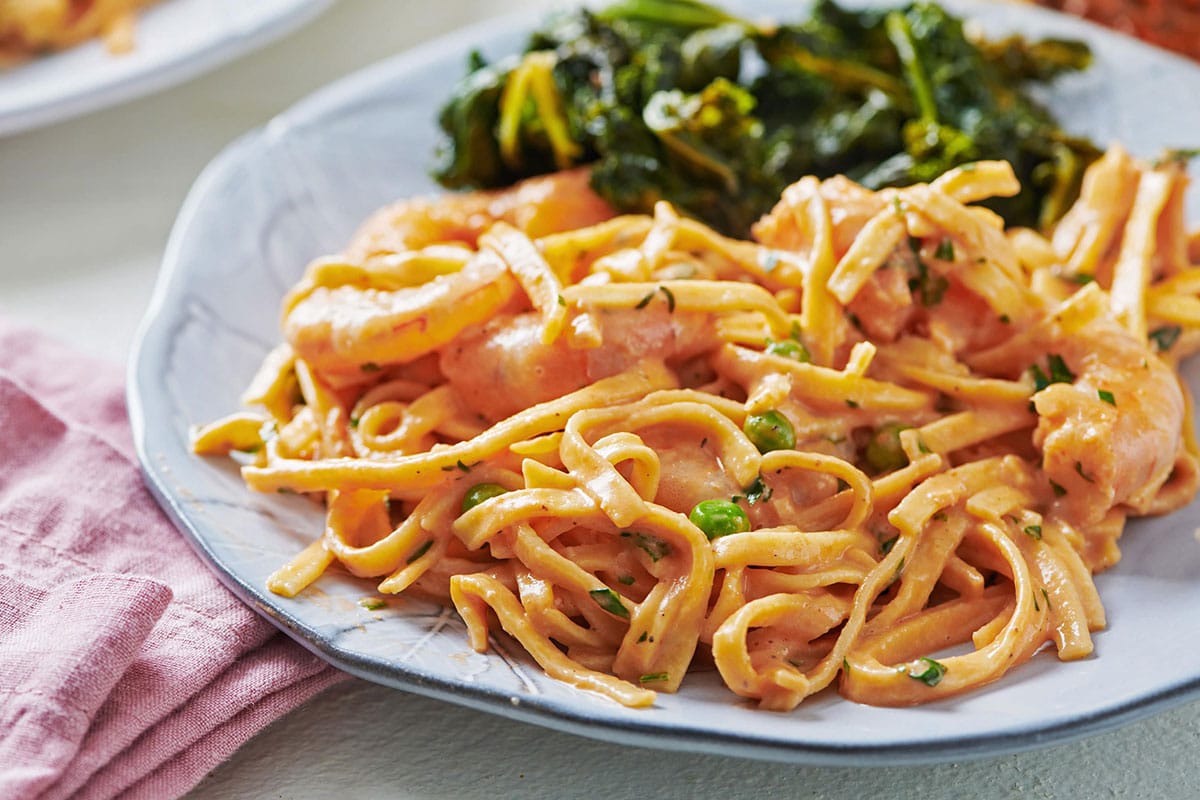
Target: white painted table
[{"x": 85, "y": 209}]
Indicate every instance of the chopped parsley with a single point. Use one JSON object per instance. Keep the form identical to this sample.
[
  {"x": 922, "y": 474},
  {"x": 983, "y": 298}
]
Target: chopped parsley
[
  {"x": 851, "y": 403},
  {"x": 653, "y": 546},
  {"x": 945, "y": 250},
  {"x": 933, "y": 673},
  {"x": 420, "y": 551},
  {"x": 373, "y": 603},
  {"x": 645, "y": 635},
  {"x": 670, "y": 298},
  {"x": 1082, "y": 278},
  {"x": 1082, "y": 474},
  {"x": 886, "y": 545},
  {"x": 562, "y": 301},
  {"x": 610, "y": 601},
  {"x": 645, "y": 301},
  {"x": 1035, "y": 531},
  {"x": 1165, "y": 337},
  {"x": 370, "y": 366},
  {"x": 929, "y": 287},
  {"x": 758, "y": 492},
  {"x": 1106, "y": 396},
  {"x": 654, "y": 677},
  {"x": 1059, "y": 491},
  {"x": 625, "y": 580},
  {"x": 1059, "y": 372}
]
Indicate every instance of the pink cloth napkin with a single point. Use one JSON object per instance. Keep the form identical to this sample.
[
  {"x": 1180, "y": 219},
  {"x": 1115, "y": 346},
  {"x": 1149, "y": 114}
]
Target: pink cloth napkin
[{"x": 126, "y": 669}]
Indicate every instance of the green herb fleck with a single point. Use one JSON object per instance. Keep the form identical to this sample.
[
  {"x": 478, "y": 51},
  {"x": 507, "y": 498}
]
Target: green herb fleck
[
  {"x": 562, "y": 301},
  {"x": 670, "y": 299},
  {"x": 1059, "y": 491},
  {"x": 610, "y": 601},
  {"x": 645, "y": 635},
  {"x": 1165, "y": 337},
  {"x": 945, "y": 250},
  {"x": 851, "y": 404},
  {"x": 625, "y": 580},
  {"x": 758, "y": 492},
  {"x": 789, "y": 348},
  {"x": 1035, "y": 531},
  {"x": 933, "y": 674},
  {"x": 462, "y": 466},
  {"x": 373, "y": 603},
  {"x": 886, "y": 545},
  {"x": 1082, "y": 474},
  {"x": 654, "y": 677},
  {"x": 370, "y": 366},
  {"x": 420, "y": 551},
  {"x": 645, "y": 301},
  {"x": 929, "y": 287},
  {"x": 1106, "y": 396},
  {"x": 653, "y": 546},
  {"x": 1059, "y": 372}
]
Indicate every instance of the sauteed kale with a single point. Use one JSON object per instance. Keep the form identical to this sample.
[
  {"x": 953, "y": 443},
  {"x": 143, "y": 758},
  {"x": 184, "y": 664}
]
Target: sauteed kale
[{"x": 681, "y": 101}]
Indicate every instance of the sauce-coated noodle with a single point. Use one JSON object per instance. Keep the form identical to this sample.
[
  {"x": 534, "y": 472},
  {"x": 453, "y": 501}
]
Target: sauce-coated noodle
[{"x": 886, "y": 429}]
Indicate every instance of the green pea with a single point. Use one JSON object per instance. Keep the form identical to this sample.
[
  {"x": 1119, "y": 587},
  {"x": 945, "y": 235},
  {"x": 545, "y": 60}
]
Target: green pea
[
  {"x": 480, "y": 492},
  {"x": 719, "y": 518},
  {"x": 789, "y": 348},
  {"x": 769, "y": 431},
  {"x": 884, "y": 452}
]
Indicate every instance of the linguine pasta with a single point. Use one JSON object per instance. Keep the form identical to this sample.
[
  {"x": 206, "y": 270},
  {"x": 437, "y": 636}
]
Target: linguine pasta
[{"x": 885, "y": 431}]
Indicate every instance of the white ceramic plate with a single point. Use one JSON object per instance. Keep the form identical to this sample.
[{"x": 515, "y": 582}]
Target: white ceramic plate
[
  {"x": 176, "y": 40},
  {"x": 298, "y": 187}
]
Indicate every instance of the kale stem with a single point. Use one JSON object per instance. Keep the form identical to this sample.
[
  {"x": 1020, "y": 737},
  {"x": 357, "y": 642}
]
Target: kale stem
[{"x": 900, "y": 34}]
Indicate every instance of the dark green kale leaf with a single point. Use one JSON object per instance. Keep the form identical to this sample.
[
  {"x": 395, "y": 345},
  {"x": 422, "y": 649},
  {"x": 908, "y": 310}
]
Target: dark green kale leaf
[{"x": 678, "y": 100}]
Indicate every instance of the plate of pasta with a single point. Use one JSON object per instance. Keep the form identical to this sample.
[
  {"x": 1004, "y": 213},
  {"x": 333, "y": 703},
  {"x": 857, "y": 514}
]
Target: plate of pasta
[
  {"x": 886, "y": 481},
  {"x": 62, "y": 59}
]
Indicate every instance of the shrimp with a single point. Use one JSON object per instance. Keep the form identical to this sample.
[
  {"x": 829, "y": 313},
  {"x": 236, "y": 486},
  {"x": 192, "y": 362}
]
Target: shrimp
[
  {"x": 504, "y": 366},
  {"x": 1113, "y": 436},
  {"x": 561, "y": 201},
  {"x": 1110, "y": 426},
  {"x": 344, "y": 329}
]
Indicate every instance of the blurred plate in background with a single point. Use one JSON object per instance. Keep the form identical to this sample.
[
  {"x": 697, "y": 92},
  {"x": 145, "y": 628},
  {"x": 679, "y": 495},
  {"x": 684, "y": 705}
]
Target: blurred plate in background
[{"x": 176, "y": 40}]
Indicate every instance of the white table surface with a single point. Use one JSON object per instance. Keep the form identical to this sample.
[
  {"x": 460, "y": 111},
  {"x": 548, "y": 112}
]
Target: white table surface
[{"x": 85, "y": 209}]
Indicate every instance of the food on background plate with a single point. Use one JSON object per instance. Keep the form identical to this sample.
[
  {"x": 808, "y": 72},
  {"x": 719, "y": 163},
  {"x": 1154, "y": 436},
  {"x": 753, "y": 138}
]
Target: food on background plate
[
  {"x": 680, "y": 101},
  {"x": 1174, "y": 25},
  {"x": 32, "y": 27},
  {"x": 884, "y": 445}
]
